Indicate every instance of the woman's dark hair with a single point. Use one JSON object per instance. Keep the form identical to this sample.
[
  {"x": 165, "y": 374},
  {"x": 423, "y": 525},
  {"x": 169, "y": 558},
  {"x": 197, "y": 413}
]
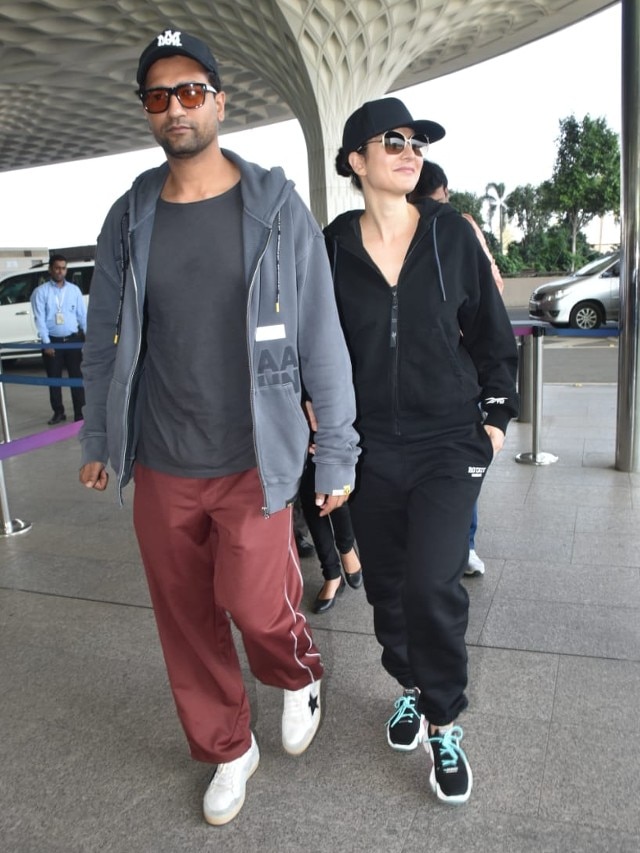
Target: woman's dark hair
[
  {"x": 432, "y": 177},
  {"x": 343, "y": 168}
]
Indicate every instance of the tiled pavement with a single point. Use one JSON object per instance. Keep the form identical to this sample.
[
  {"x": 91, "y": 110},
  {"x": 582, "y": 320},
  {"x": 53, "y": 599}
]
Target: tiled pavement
[{"x": 92, "y": 757}]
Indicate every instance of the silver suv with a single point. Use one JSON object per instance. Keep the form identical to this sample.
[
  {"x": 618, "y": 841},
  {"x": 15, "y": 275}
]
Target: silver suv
[
  {"x": 584, "y": 300},
  {"x": 16, "y": 317}
]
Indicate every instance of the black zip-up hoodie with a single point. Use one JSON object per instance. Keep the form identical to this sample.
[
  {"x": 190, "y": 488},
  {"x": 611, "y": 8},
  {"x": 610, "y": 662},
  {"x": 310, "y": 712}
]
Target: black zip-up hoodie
[{"x": 426, "y": 352}]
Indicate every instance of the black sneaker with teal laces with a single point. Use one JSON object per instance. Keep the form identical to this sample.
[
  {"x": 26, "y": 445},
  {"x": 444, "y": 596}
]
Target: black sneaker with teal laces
[
  {"x": 451, "y": 779},
  {"x": 406, "y": 727}
]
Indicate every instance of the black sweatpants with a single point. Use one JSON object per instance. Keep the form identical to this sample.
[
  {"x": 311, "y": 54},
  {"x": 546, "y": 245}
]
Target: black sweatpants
[{"x": 411, "y": 514}]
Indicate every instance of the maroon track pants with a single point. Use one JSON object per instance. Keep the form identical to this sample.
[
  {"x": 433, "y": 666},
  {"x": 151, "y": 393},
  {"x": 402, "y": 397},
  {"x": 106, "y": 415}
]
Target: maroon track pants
[{"x": 210, "y": 556}]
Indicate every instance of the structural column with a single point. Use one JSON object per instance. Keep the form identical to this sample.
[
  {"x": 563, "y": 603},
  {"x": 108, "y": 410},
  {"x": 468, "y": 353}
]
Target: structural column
[{"x": 628, "y": 434}]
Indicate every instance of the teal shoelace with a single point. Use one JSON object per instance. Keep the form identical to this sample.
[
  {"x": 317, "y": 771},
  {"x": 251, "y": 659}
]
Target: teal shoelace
[
  {"x": 405, "y": 709},
  {"x": 449, "y": 741}
]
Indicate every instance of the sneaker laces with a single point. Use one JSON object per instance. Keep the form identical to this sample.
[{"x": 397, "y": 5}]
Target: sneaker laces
[
  {"x": 449, "y": 745},
  {"x": 298, "y": 704},
  {"x": 405, "y": 709},
  {"x": 224, "y": 778},
  {"x": 227, "y": 773}
]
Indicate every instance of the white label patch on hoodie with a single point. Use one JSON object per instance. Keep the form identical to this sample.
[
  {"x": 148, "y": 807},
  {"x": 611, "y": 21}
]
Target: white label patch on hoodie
[{"x": 270, "y": 333}]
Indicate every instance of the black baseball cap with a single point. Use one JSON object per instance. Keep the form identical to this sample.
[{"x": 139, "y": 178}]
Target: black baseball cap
[
  {"x": 172, "y": 42},
  {"x": 378, "y": 116}
]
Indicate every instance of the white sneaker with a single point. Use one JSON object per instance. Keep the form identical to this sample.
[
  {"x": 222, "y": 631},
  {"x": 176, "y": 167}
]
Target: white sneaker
[
  {"x": 300, "y": 717},
  {"x": 475, "y": 566},
  {"x": 224, "y": 797}
]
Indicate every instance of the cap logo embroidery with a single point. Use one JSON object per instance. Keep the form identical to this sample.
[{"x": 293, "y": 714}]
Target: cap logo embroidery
[{"x": 169, "y": 39}]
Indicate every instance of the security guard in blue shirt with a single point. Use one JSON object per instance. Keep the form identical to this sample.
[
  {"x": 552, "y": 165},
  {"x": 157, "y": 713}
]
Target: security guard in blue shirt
[{"x": 60, "y": 315}]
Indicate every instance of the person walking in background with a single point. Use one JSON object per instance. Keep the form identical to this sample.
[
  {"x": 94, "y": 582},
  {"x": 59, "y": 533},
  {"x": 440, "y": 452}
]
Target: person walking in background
[
  {"x": 60, "y": 316},
  {"x": 332, "y": 536},
  {"x": 211, "y": 303},
  {"x": 430, "y": 344},
  {"x": 301, "y": 533},
  {"x": 433, "y": 183}
]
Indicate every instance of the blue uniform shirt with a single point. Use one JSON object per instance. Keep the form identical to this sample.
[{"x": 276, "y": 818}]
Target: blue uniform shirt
[{"x": 58, "y": 311}]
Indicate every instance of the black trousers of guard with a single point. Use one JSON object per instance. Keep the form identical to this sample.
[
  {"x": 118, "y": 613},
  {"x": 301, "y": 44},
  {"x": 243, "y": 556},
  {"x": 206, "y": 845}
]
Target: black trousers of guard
[
  {"x": 69, "y": 360},
  {"x": 411, "y": 514}
]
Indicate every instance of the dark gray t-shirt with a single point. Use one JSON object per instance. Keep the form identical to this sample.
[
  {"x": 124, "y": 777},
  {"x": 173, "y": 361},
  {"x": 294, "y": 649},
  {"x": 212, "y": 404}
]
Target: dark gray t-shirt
[{"x": 195, "y": 390}]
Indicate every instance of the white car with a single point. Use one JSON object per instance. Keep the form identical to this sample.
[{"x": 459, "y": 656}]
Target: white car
[
  {"x": 586, "y": 299},
  {"x": 16, "y": 316}
]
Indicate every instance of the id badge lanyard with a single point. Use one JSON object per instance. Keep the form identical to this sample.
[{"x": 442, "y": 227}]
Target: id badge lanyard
[{"x": 59, "y": 298}]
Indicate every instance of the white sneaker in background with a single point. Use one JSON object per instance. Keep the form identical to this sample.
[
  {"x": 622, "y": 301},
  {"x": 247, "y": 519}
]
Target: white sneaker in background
[{"x": 475, "y": 566}]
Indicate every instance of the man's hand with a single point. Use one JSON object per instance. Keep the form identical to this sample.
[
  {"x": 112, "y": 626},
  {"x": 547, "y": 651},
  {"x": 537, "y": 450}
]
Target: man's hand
[
  {"x": 497, "y": 438},
  {"x": 94, "y": 475},
  {"x": 327, "y": 503},
  {"x": 311, "y": 416},
  {"x": 49, "y": 351}
]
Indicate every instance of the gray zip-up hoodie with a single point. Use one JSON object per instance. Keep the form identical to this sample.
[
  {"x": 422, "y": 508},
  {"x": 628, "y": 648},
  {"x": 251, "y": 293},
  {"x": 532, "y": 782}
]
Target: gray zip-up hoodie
[{"x": 293, "y": 337}]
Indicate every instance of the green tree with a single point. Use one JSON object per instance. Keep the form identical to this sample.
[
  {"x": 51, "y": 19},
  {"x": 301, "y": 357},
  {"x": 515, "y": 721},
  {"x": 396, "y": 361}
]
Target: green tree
[
  {"x": 586, "y": 174},
  {"x": 529, "y": 207},
  {"x": 466, "y": 202},
  {"x": 548, "y": 251}
]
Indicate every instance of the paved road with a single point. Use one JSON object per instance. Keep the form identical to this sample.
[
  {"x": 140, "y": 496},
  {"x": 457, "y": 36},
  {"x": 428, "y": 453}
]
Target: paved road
[{"x": 575, "y": 360}]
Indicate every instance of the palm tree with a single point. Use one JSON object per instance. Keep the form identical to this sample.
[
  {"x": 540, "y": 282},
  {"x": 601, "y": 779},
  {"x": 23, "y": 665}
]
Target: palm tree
[{"x": 495, "y": 197}]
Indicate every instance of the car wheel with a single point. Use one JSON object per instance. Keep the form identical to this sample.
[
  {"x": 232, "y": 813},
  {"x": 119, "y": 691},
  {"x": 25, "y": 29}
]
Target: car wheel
[{"x": 586, "y": 315}]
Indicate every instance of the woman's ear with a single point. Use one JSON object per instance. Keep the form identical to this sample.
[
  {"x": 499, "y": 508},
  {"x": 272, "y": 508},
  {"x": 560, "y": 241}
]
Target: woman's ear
[{"x": 357, "y": 163}]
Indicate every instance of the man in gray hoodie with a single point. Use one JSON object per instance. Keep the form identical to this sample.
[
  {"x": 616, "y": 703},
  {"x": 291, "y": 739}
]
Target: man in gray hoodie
[{"x": 211, "y": 305}]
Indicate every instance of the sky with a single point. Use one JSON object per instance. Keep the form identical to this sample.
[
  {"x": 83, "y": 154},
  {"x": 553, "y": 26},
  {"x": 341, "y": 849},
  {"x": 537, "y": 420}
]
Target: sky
[{"x": 501, "y": 117}]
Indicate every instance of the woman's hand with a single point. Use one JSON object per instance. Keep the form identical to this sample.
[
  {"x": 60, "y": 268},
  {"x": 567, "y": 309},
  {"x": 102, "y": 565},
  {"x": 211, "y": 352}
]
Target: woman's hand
[{"x": 496, "y": 436}]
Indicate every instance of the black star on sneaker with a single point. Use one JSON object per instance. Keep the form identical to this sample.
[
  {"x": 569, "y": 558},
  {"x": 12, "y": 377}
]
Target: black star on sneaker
[
  {"x": 301, "y": 717},
  {"x": 451, "y": 779}
]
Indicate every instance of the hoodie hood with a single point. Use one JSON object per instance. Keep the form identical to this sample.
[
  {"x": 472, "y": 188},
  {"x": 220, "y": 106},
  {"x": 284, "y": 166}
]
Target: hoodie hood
[
  {"x": 263, "y": 191},
  {"x": 345, "y": 228},
  {"x": 344, "y": 233}
]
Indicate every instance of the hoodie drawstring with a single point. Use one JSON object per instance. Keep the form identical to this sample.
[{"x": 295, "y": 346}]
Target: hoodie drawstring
[
  {"x": 278, "y": 265},
  {"x": 435, "y": 247},
  {"x": 124, "y": 254}
]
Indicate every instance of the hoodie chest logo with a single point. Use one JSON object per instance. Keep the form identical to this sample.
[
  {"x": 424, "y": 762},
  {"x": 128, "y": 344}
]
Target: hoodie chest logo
[{"x": 278, "y": 368}]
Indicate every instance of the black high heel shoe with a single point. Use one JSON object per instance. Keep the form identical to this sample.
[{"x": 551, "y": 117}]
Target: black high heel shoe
[
  {"x": 321, "y": 605},
  {"x": 354, "y": 579}
]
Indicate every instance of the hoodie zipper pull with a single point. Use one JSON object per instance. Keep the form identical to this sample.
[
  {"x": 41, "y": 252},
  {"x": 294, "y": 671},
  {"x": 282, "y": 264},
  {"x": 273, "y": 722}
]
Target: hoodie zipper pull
[{"x": 393, "y": 343}]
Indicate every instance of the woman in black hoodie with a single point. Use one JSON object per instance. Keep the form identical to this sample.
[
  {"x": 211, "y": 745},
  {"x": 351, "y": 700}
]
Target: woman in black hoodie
[{"x": 434, "y": 363}]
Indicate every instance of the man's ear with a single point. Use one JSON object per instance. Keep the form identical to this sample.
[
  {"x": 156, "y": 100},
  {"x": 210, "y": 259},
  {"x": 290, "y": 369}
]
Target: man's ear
[{"x": 220, "y": 105}]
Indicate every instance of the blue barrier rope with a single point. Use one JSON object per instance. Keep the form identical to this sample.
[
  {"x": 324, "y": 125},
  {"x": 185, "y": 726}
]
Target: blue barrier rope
[
  {"x": 519, "y": 329},
  {"x": 11, "y": 379},
  {"x": 38, "y": 345},
  {"x": 613, "y": 332},
  {"x": 16, "y": 379}
]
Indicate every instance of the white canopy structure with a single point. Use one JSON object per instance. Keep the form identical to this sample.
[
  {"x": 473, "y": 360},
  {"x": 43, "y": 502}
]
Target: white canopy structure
[{"x": 67, "y": 78}]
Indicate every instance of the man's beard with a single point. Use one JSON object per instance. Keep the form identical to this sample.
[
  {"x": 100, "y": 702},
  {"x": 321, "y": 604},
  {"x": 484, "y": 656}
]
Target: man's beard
[{"x": 187, "y": 146}]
